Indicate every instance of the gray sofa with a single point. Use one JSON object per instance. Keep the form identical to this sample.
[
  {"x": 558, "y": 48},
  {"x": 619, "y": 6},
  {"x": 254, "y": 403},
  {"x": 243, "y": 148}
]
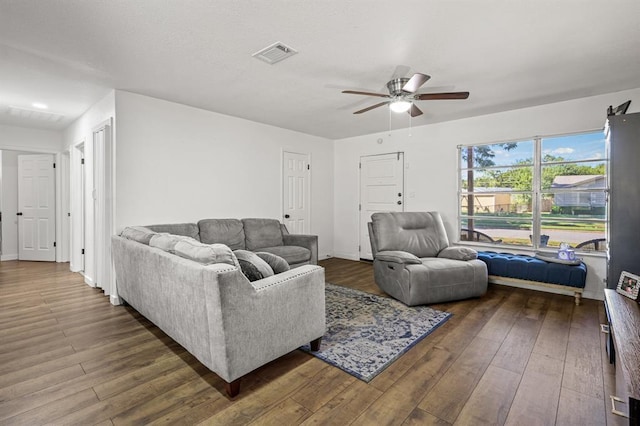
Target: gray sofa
[
  {"x": 208, "y": 306},
  {"x": 267, "y": 235},
  {"x": 414, "y": 263}
]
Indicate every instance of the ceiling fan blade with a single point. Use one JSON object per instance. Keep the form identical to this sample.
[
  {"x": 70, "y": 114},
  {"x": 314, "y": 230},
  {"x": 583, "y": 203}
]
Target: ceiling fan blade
[
  {"x": 414, "y": 111},
  {"x": 355, "y": 92},
  {"x": 415, "y": 82},
  {"x": 371, "y": 107},
  {"x": 435, "y": 96}
]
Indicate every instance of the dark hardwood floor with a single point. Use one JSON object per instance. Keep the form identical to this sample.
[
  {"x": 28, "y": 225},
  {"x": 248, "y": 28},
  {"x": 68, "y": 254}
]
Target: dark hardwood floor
[{"x": 517, "y": 357}]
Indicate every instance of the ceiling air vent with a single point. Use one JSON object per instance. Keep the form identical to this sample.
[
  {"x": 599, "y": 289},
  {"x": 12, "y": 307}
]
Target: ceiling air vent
[
  {"x": 34, "y": 114},
  {"x": 275, "y": 53}
]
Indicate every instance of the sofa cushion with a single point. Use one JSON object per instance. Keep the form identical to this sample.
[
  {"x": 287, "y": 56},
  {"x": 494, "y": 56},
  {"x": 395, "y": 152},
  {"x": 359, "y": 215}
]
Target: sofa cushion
[
  {"x": 401, "y": 257},
  {"x": 206, "y": 254},
  {"x": 186, "y": 229},
  {"x": 260, "y": 233},
  {"x": 253, "y": 267},
  {"x": 167, "y": 242},
  {"x": 419, "y": 233},
  {"x": 277, "y": 263},
  {"x": 222, "y": 231},
  {"x": 292, "y": 254},
  {"x": 138, "y": 233}
]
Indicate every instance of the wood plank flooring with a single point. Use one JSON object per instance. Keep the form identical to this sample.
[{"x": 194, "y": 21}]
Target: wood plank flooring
[{"x": 514, "y": 356}]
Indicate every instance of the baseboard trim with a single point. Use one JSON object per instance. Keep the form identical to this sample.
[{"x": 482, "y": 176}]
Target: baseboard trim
[
  {"x": 89, "y": 281},
  {"x": 8, "y": 257},
  {"x": 348, "y": 256},
  {"x": 115, "y": 300}
]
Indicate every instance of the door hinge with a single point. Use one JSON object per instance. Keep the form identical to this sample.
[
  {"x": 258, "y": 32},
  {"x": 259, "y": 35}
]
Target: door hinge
[
  {"x": 359, "y": 247},
  {"x": 54, "y": 165},
  {"x": 308, "y": 166},
  {"x": 82, "y": 251},
  {"x": 360, "y": 207},
  {"x": 359, "y": 165},
  {"x": 82, "y": 161},
  {"x": 54, "y": 243},
  {"x": 69, "y": 214}
]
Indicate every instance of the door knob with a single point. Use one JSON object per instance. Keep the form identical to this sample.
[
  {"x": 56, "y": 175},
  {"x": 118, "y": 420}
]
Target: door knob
[
  {"x": 19, "y": 214},
  {"x": 399, "y": 202},
  {"x": 286, "y": 216}
]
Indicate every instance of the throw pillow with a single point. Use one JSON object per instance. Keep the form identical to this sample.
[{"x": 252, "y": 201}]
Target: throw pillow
[
  {"x": 277, "y": 263},
  {"x": 138, "y": 233},
  {"x": 167, "y": 242},
  {"x": 458, "y": 253},
  {"x": 206, "y": 254},
  {"x": 253, "y": 267}
]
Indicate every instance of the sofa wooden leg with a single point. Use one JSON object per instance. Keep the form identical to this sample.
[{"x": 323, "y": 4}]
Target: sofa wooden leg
[
  {"x": 315, "y": 344},
  {"x": 233, "y": 388},
  {"x": 578, "y": 297}
]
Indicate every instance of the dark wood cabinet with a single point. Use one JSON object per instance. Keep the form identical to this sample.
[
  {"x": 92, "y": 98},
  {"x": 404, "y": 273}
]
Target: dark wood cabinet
[
  {"x": 623, "y": 346},
  {"x": 623, "y": 145}
]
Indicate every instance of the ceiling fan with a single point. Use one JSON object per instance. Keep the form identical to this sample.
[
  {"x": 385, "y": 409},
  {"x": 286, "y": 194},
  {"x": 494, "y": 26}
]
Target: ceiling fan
[{"x": 402, "y": 94}]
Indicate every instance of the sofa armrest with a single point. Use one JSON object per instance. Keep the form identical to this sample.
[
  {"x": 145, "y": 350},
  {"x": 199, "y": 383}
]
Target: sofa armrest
[
  {"x": 309, "y": 242},
  {"x": 397, "y": 256},
  {"x": 458, "y": 253},
  {"x": 267, "y": 318}
]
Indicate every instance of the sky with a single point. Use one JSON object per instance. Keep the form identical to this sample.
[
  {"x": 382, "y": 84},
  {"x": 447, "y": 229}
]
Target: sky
[{"x": 586, "y": 146}]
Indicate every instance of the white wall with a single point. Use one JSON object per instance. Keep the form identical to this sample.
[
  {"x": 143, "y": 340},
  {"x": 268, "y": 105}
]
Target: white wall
[
  {"x": 176, "y": 163},
  {"x": 9, "y": 203},
  {"x": 80, "y": 132},
  {"x": 27, "y": 139},
  {"x": 431, "y": 154}
]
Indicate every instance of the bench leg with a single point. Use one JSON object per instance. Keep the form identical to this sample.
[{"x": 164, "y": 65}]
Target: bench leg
[{"x": 578, "y": 297}]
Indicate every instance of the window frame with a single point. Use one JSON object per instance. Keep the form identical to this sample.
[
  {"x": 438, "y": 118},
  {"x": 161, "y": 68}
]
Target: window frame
[{"x": 537, "y": 191}]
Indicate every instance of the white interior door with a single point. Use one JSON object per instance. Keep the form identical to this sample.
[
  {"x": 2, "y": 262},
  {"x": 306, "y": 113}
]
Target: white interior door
[
  {"x": 83, "y": 208},
  {"x": 36, "y": 204},
  {"x": 98, "y": 200},
  {"x": 296, "y": 192},
  {"x": 381, "y": 189}
]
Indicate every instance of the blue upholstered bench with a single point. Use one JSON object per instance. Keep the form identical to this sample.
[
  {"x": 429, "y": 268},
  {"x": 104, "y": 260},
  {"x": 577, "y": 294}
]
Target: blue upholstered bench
[{"x": 505, "y": 268}]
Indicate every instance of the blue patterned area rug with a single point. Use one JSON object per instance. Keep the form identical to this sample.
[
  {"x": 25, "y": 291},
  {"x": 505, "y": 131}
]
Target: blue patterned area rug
[{"x": 367, "y": 333}]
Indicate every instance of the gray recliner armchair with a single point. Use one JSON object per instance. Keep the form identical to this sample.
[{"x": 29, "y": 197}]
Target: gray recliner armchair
[{"x": 414, "y": 263}]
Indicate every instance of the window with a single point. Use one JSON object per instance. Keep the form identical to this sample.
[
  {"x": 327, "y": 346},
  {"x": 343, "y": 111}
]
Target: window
[{"x": 537, "y": 193}]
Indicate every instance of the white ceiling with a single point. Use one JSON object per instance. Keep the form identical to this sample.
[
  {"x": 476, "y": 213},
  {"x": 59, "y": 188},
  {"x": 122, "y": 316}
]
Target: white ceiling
[{"x": 509, "y": 54}]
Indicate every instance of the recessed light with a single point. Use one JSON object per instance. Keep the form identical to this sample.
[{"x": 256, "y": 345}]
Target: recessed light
[{"x": 39, "y": 105}]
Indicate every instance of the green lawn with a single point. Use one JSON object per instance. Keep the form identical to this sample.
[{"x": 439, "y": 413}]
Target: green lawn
[{"x": 550, "y": 221}]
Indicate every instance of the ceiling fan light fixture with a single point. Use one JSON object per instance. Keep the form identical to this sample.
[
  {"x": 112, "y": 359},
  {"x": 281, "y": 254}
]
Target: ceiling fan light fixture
[{"x": 400, "y": 105}]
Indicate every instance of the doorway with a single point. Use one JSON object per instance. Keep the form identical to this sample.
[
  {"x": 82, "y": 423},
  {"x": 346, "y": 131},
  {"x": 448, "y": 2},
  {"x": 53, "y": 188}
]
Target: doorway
[
  {"x": 99, "y": 217},
  {"x": 296, "y": 170},
  {"x": 381, "y": 189},
  {"x": 77, "y": 206}
]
